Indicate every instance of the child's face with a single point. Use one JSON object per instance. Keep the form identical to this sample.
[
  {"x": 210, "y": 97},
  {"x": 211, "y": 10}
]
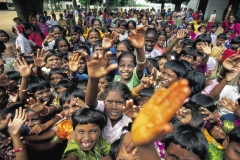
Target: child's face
[
  {"x": 45, "y": 94},
  {"x": 189, "y": 28},
  {"x": 150, "y": 42},
  {"x": 144, "y": 20},
  {"x": 161, "y": 40},
  {"x": 228, "y": 35},
  {"x": 92, "y": 37},
  {"x": 203, "y": 30},
  {"x": 122, "y": 29},
  {"x": 219, "y": 41},
  {"x": 65, "y": 64},
  {"x": 55, "y": 78},
  {"x": 126, "y": 67},
  {"x": 235, "y": 46},
  {"x": 197, "y": 62},
  {"x": 214, "y": 29},
  {"x": 57, "y": 32},
  {"x": 98, "y": 50},
  {"x": 120, "y": 49},
  {"x": 124, "y": 155},
  {"x": 198, "y": 46},
  {"x": 199, "y": 20},
  {"x": 75, "y": 36},
  {"x": 59, "y": 91},
  {"x": 142, "y": 100},
  {"x": 168, "y": 31},
  {"x": 102, "y": 83},
  {"x": 187, "y": 58},
  {"x": 97, "y": 25},
  {"x": 53, "y": 62},
  {"x": 82, "y": 66},
  {"x": 176, "y": 152},
  {"x": 130, "y": 27},
  {"x": 113, "y": 104},
  {"x": 168, "y": 19},
  {"x": 62, "y": 47},
  {"x": 175, "y": 31},
  {"x": 71, "y": 107},
  {"x": 232, "y": 151},
  {"x": 161, "y": 63},
  {"x": 168, "y": 77},
  {"x": 28, "y": 31},
  {"x": 33, "y": 118},
  {"x": 3, "y": 37},
  {"x": 184, "y": 115},
  {"x": 87, "y": 135},
  {"x": 159, "y": 27}
]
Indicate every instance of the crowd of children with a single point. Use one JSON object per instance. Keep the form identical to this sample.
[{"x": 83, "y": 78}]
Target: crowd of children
[{"x": 121, "y": 86}]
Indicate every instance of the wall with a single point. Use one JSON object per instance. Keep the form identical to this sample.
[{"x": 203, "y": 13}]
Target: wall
[
  {"x": 219, "y": 6},
  {"x": 193, "y": 4}
]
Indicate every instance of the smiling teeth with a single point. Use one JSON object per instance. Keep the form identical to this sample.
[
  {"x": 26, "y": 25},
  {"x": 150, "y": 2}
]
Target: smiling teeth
[
  {"x": 86, "y": 144},
  {"x": 113, "y": 113}
]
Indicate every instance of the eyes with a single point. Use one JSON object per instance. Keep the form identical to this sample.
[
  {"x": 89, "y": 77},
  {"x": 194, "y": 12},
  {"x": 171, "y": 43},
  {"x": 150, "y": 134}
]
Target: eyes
[{"x": 117, "y": 102}]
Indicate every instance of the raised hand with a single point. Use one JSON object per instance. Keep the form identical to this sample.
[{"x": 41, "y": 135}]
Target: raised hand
[
  {"x": 231, "y": 63},
  {"x": 229, "y": 8},
  {"x": 206, "y": 48},
  {"x": 35, "y": 105},
  {"x": 153, "y": 119},
  {"x": 209, "y": 115},
  {"x": 147, "y": 82},
  {"x": 15, "y": 125},
  {"x": 80, "y": 103},
  {"x": 109, "y": 40},
  {"x": 38, "y": 128},
  {"x": 13, "y": 96},
  {"x": 229, "y": 104},
  {"x": 131, "y": 110},
  {"x": 137, "y": 37},
  {"x": 74, "y": 62},
  {"x": 184, "y": 115},
  {"x": 39, "y": 61},
  {"x": 24, "y": 69},
  {"x": 230, "y": 75},
  {"x": 50, "y": 37},
  {"x": 181, "y": 33},
  {"x": 98, "y": 65}
]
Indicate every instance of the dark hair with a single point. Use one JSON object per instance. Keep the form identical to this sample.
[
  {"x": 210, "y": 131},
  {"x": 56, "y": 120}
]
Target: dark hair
[
  {"x": 204, "y": 101},
  {"x": 51, "y": 29},
  {"x": 131, "y": 22},
  {"x": 53, "y": 53},
  {"x": 64, "y": 83},
  {"x": 214, "y": 25},
  {"x": 88, "y": 115},
  {"x": 94, "y": 20},
  {"x": 200, "y": 27},
  {"x": 13, "y": 75},
  {"x": 37, "y": 30},
  {"x": 71, "y": 92},
  {"x": 152, "y": 31},
  {"x": 189, "y": 138},
  {"x": 168, "y": 26},
  {"x": 123, "y": 23},
  {"x": 189, "y": 51},
  {"x": 154, "y": 63},
  {"x": 77, "y": 29},
  {"x": 2, "y": 31},
  {"x": 236, "y": 40},
  {"x": 25, "y": 27},
  {"x": 94, "y": 30},
  {"x": 41, "y": 17},
  {"x": 162, "y": 33},
  {"x": 200, "y": 17},
  {"x": 202, "y": 38},
  {"x": 197, "y": 81},
  {"x": 177, "y": 67},
  {"x": 11, "y": 109},
  {"x": 125, "y": 54},
  {"x": 127, "y": 44},
  {"x": 234, "y": 135},
  {"x": 187, "y": 42},
  {"x": 115, "y": 85},
  {"x": 83, "y": 47},
  {"x": 174, "y": 26},
  {"x": 115, "y": 147},
  {"x": 229, "y": 31},
  {"x": 37, "y": 83},
  {"x": 106, "y": 30},
  {"x": 97, "y": 43},
  {"x": 147, "y": 92},
  {"x": 192, "y": 26},
  {"x": 110, "y": 76},
  {"x": 222, "y": 36},
  {"x": 57, "y": 71},
  {"x": 82, "y": 85},
  {"x": 59, "y": 39}
]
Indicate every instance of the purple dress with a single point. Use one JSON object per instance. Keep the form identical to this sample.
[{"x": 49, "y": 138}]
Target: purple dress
[{"x": 44, "y": 28}]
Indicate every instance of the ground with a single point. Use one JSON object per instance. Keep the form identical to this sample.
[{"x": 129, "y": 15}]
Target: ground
[{"x": 6, "y": 22}]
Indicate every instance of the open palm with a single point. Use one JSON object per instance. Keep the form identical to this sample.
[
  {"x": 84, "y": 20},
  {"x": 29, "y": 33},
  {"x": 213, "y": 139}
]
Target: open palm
[
  {"x": 39, "y": 61},
  {"x": 109, "y": 40},
  {"x": 23, "y": 68},
  {"x": 231, "y": 63},
  {"x": 137, "y": 37},
  {"x": 74, "y": 62},
  {"x": 35, "y": 105},
  {"x": 153, "y": 119}
]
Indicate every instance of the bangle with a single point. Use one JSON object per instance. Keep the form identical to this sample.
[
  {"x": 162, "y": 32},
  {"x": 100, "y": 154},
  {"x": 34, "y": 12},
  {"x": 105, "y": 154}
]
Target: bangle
[
  {"x": 152, "y": 72},
  {"x": 172, "y": 44},
  {"x": 148, "y": 64},
  {"x": 219, "y": 122},
  {"x": 19, "y": 149},
  {"x": 59, "y": 115},
  {"x": 48, "y": 110},
  {"x": 135, "y": 93},
  {"x": 219, "y": 76},
  {"x": 23, "y": 90},
  {"x": 141, "y": 62}
]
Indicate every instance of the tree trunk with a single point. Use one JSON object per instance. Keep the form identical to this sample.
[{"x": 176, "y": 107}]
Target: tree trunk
[
  {"x": 162, "y": 5},
  {"x": 51, "y": 8},
  {"x": 55, "y": 5},
  {"x": 74, "y": 4},
  {"x": 177, "y": 6},
  {"x": 234, "y": 4},
  {"x": 107, "y": 4},
  {"x": 25, "y": 7}
]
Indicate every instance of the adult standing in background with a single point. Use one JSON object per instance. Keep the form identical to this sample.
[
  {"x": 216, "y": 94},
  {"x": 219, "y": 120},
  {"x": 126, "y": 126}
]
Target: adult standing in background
[
  {"x": 211, "y": 20},
  {"x": 61, "y": 21}
]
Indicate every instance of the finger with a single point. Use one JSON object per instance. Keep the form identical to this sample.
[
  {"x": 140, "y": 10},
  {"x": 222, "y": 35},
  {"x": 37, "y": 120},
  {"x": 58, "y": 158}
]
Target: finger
[
  {"x": 111, "y": 67},
  {"x": 87, "y": 57},
  {"x": 16, "y": 114},
  {"x": 20, "y": 112},
  {"x": 20, "y": 61},
  {"x": 42, "y": 52},
  {"x": 45, "y": 56}
]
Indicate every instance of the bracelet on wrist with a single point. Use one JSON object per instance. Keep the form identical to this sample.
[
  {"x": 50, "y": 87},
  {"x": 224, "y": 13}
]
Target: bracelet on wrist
[
  {"x": 220, "y": 76},
  {"x": 23, "y": 90},
  {"x": 135, "y": 93},
  {"x": 59, "y": 115},
  {"x": 141, "y": 62},
  {"x": 19, "y": 149},
  {"x": 48, "y": 110},
  {"x": 148, "y": 64}
]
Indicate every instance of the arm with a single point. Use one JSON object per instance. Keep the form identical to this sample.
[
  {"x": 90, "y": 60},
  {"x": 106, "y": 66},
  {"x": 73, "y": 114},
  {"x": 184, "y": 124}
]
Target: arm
[
  {"x": 41, "y": 137},
  {"x": 229, "y": 10}
]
